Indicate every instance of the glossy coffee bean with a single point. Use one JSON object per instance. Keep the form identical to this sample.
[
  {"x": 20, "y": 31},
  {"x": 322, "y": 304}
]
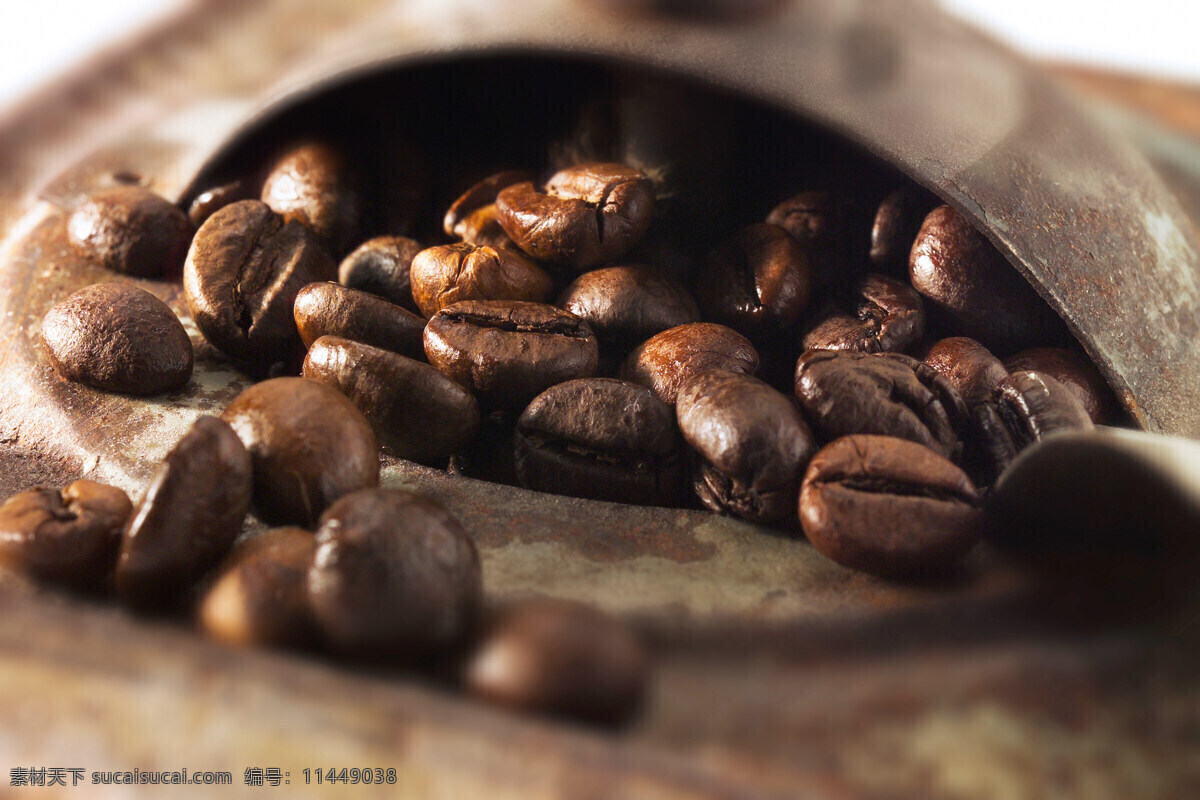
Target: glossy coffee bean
[
  {"x": 312, "y": 184},
  {"x": 669, "y": 359},
  {"x": 895, "y": 227},
  {"x": 260, "y": 595},
  {"x": 969, "y": 367},
  {"x": 811, "y": 217},
  {"x": 752, "y": 441},
  {"x": 973, "y": 291},
  {"x": 602, "y": 439},
  {"x": 210, "y": 201},
  {"x": 757, "y": 284},
  {"x": 447, "y": 274},
  {"x": 588, "y": 214},
  {"x": 330, "y": 309},
  {"x": 188, "y": 517},
  {"x": 120, "y": 338},
  {"x": 417, "y": 412},
  {"x": 482, "y": 229},
  {"x": 889, "y": 318},
  {"x": 560, "y": 658},
  {"x": 131, "y": 230},
  {"x": 242, "y": 275},
  {"x": 381, "y": 267},
  {"x": 507, "y": 352},
  {"x": 68, "y": 537},
  {"x": 888, "y": 506},
  {"x": 308, "y": 444},
  {"x": 843, "y": 392},
  {"x": 1074, "y": 371},
  {"x": 394, "y": 575},
  {"x": 626, "y": 305},
  {"x": 481, "y": 196}
]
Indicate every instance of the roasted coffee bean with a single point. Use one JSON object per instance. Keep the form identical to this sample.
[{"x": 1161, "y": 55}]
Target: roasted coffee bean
[
  {"x": 667, "y": 360},
  {"x": 482, "y": 229},
  {"x": 973, "y": 291},
  {"x": 188, "y": 517},
  {"x": 417, "y": 412},
  {"x": 889, "y": 319},
  {"x": 969, "y": 366},
  {"x": 213, "y": 200},
  {"x": 843, "y": 392},
  {"x": 260, "y": 596},
  {"x": 489, "y": 456},
  {"x": 480, "y": 196},
  {"x": 329, "y": 309},
  {"x": 560, "y": 658},
  {"x": 506, "y": 351},
  {"x": 381, "y": 266},
  {"x": 308, "y": 444},
  {"x": 752, "y": 440},
  {"x": 626, "y": 305},
  {"x": 68, "y": 537},
  {"x": 394, "y": 575},
  {"x": 897, "y": 221},
  {"x": 445, "y": 275},
  {"x": 242, "y": 275},
  {"x": 131, "y": 230},
  {"x": 888, "y": 506},
  {"x": 120, "y": 338},
  {"x": 602, "y": 439},
  {"x": 312, "y": 184},
  {"x": 810, "y": 217},
  {"x": 589, "y": 214},
  {"x": 757, "y": 284},
  {"x": 1074, "y": 371}
]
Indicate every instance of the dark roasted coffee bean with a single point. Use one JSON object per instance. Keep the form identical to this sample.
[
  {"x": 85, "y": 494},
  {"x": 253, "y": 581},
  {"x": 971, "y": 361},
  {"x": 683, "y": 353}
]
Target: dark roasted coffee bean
[
  {"x": 626, "y": 305},
  {"x": 506, "y": 351},
  {"x": 120, "y": 338},
  {"x": 482, "y": 229},
  {"x": 667, "y": 360},
  {"x": 810, "y": 217},
  {"x": 308, "y": 444},
  {"x": 381, "y": 266},
  {"x": 445, "y": 275},
  {"x": 187, "y": 519},
  {"x": 752, "y": 440},
  {"x": 330, "y": 309},
  {"x": 131, "y": 230},
  {"x": 969, "y": 366},
  {"x": 603, "y": 439},
  {"x": 843, "y": 392},
  {"x": 260, "y": 596},
  {"x": 560, "y": 658},
  {"x": 312, "y": 184},
  {"x": 589, "y": 214},
  {"x": 213, "y": 200},
  {"x": 758, "y": 283},
  {"x": 68, "y": 537},
  {"x": 417, "y": 412},
  {"x": 896, "y": 223},
  {"x": 973, "y": 291},
  {"x": 242, "y": 275},
  {"x": 480, "y": 196},
  {"x": 889, "y": 319},
  {"x": 394, "y": 575},
  {"x": 1074, "y": 371},
  {"x": 888, "y": 506}
]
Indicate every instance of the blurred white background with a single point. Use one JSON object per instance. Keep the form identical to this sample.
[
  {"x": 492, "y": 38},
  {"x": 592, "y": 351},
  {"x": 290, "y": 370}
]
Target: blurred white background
[{"x": 41, "y": 39}]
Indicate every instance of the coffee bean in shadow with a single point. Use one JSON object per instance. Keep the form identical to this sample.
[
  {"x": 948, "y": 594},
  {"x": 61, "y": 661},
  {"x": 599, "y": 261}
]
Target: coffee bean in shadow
[
  {"x": 417, "y": 412},
  {"x": 260, "y": 594},
  {"x": 969, "y": 366},
  {"x": 131, "y": 230},
  {"x": 447, "y": 274},
  {"x": 119, "y": 338},
  {"x": 843, "y": 392},
  {"x": 506, "y": 351},
  {"x": 1077, "y": 373},
  {"x": 381, "y": 267},
  {"x": 815, "y": 222},
  {"x": 187, "y": 518},
  {"x": 68, "y": 537},
  {"x": 489, "y": 456},
  {"x": 308, "y": 444},
  {"x": 888, "y": 506},
  {"x": 752, "y": 441},
  {"x": 895, "y": 227},
  {"x": 626, "y": 305},
  {"x": 210, "y": 201},
  {"x": 330, "y": 309},
  {"x": 394, "y": 575},
  {"x": 242, "y": 275},
  {"x": 312, "y": 183},
  {"x": 666, "y": 361},
  {"x": 602, "y": 439},
  {"x": 563, "y": 659},
  {"x": 480, "y": 197},
  {"x": 588, "y": 214},
  {"x": 888, "y": 318}
]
